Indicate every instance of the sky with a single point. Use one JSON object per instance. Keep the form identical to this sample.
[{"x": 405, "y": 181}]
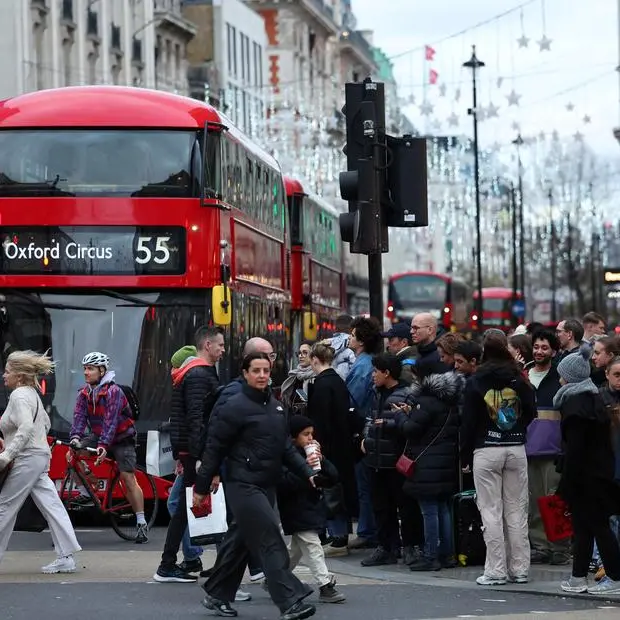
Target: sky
[{"x": 571, "y": 88}]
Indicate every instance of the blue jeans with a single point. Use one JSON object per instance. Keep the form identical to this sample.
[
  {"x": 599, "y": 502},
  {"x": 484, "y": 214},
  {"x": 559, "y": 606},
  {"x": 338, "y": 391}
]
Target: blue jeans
[
  {"x": 176, "y": 497},
  {"x": 366, "y": 526},
  {"x": 338, "y": 527},
  {"x": 438, "y": 539}
]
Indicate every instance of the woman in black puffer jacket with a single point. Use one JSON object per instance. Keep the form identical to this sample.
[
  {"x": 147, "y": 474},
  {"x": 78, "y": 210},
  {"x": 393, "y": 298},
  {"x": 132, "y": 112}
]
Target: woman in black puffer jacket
[
  {"x": 382, "y": 445},
  {"x": 431, "y": 429}
]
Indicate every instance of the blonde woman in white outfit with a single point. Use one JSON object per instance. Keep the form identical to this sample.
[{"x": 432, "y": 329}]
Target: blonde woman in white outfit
[{"x": 24, "y": 425}]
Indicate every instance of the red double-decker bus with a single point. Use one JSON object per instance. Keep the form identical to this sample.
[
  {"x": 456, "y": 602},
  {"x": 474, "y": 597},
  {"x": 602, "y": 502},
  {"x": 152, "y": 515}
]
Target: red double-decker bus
[
  {"x": 130, "y": 217},
  {"x": 447, "y": 298},
  {"x": 318, "y": 288},
  {"x": 498, "y": 309}
]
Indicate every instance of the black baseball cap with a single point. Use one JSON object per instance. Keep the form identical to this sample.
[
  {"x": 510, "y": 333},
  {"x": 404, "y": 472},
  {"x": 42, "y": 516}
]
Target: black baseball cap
[{"x": 400, "y": 330}]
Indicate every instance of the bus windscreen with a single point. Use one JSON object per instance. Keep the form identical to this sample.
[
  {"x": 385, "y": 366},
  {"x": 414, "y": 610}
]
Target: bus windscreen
[{"x": 420, "y": 292}]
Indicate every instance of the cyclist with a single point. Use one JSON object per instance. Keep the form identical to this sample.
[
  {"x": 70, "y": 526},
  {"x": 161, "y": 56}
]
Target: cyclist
[{"x": 102, "y": 405}]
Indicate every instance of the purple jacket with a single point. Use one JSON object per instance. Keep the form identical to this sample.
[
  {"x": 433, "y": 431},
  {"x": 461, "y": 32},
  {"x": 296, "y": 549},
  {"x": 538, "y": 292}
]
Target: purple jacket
[{"x": 544, "y": 437}]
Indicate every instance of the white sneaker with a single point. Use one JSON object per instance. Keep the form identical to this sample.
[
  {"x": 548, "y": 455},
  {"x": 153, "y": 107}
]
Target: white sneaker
[
  {"x": 257, "y": 577},
  {"x": 242, "y": 596},
  {"x": 484, "y": 580},
  {"x": 60, "y": 565}
]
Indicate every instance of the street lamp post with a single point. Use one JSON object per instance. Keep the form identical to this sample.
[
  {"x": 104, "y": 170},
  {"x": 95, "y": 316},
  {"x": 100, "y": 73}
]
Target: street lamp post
[
  {"x": 553, "y": 261},
  {"x": 518, "y": 142},
  {"x": 475, "y": 64}
]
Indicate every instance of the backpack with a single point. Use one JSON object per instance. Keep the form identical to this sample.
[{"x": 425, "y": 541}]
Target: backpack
[
  {"x": 132, "y": 399},
  {"x": 504, "y": 407}
]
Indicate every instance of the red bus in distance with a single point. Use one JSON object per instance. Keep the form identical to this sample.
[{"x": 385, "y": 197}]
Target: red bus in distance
[
  {"x": 447, "y": 298},
  {"x": 123, "y": 210},
  {"x": 318, "y": 291},
  {"x": 497, "y": 309}
]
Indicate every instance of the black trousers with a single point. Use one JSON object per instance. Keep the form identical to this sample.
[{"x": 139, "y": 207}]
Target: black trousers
[
  {"x": 256, "y": 531},
  {"x": 178, "y": 521},
  {"x": 589, "y": 526},
  {"x": 388, "y": 501}
]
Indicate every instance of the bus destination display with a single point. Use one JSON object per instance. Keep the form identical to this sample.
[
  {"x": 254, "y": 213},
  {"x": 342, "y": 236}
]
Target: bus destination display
[{"x": 93, "y": 250}]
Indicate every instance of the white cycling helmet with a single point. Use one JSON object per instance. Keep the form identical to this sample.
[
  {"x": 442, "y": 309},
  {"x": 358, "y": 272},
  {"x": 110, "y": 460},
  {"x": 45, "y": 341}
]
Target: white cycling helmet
[{"x": 96, "y": 359}]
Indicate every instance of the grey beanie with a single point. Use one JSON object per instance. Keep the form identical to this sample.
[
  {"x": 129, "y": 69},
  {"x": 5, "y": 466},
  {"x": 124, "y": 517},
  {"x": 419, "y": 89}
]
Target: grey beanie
[{"x": 576, "y": 366}]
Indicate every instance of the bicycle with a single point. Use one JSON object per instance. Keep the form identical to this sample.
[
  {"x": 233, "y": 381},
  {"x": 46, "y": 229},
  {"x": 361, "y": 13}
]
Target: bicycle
[{"x": 106, "y": 493}]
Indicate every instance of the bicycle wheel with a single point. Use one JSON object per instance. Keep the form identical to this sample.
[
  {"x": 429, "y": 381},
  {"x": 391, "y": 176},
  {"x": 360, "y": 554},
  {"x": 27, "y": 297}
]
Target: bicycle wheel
[
  {"x": 72, "y": 499},
  {"x": 122, "y": 517}
]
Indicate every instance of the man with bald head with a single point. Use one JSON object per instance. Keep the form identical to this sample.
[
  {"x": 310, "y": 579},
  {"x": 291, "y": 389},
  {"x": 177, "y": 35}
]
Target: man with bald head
[{"x": 424, "y": 335}]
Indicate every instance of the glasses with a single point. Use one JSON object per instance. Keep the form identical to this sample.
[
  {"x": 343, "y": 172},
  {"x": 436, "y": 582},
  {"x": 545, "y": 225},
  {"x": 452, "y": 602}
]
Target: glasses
[
  {"x": 273, "y": 356},
  {"x": 302, "y": 353},
  {"x": 417, "y": 328}
]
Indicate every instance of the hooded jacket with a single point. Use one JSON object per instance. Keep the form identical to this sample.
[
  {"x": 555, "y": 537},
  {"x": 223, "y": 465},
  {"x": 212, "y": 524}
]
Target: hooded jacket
[
  {"x": 191, "y": 384},
  {"x": 344, "y": 358},
  {"x": 431, "y": 430},
  {"x": 543, "y": 434},
  {"x": 104, "y": 408},
  {"x": 480, "y": 416}
]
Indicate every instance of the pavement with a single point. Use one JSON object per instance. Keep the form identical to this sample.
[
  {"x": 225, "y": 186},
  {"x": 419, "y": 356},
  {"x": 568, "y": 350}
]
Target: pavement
[{"x": 114, "y": 580}]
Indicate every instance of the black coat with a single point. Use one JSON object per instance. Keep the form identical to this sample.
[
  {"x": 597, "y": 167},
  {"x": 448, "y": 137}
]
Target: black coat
[
  {"x": 384, "y": 443},
  {"x": 328, "y": 408},
  {"x": 187, "y": 410},
  {"x": 251, "y": 432},
  {"x": 432, "y": 427},
  {"x": 300, "y": 505},
  {"x": 587, "y": 464}
]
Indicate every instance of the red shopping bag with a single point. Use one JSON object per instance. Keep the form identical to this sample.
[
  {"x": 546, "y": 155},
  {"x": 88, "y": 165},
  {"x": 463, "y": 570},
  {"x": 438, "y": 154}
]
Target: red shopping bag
[{"x": 556, "y": 518}]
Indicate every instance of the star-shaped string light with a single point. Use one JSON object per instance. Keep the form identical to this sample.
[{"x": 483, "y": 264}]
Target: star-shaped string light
[
  {"x": 500, "y": 81},
  {"x": 513, "y": 98},
  {"x": 541, "y": 136},
  {"x": 453, "y": 120},
  {"x": 457, "y": 94},
  {"x": 523, "y": 41},
  {"x": 492, "y": 110},
  {"x": 578, "y": 136},
  {"x": 555, "y": 135},
  {"x": 411, "y": 100},
  {"x": 516, "y": 126},
  {"x": 426, "y": 108},
  {"x": 437, "y": 125},
  {"x": 442, "y": 90},
  {"x": 545, "y": 43},
  {"x": 587, "y": 119},
  {"x": 570, "y": 106}
]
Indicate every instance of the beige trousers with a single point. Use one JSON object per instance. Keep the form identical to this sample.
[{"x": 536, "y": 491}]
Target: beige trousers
[
  {"x": 29, "y": 477},
  {"x": 500, "y": 477},
  {"x": 306, "y": 547}
]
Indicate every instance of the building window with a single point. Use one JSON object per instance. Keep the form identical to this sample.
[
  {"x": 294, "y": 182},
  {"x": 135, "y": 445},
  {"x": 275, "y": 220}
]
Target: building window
[
  {"x": 234, "y": 50},
  {"x": 229, "y": 46},
  {"x": 256, "y": 61},
  {"x": 242, "y": 37},
  {"x": 246, "y": 60},
  {"x": 260, "y": 66}
]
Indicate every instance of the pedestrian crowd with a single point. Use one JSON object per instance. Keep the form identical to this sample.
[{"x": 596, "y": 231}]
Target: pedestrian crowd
[{"x": 388, "y": 430}]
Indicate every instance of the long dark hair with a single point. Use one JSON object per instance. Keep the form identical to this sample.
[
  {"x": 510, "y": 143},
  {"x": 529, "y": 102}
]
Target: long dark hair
[{"x": 495, "y": 353}]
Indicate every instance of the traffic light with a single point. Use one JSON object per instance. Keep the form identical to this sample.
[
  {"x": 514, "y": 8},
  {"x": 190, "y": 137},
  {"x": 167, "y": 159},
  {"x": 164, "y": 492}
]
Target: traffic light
[
  {"x": 363, "y": 184},
  {"x": 407, "y": 205}
]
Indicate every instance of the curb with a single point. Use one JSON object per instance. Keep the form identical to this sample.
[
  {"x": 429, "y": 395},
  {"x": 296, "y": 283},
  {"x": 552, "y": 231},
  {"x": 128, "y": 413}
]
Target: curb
[{"x": 536, "y": 588}]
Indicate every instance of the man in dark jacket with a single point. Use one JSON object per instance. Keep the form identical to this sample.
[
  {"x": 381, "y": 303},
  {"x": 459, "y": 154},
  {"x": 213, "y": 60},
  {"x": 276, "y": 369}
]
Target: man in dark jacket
[
  {"x": 191, "y": 385},
  {"x": 424, "y": 336},
  {"x": 382, "y": 445},
  {"x": 400, "y": 344},
  {"x": 544, "y": 444}
]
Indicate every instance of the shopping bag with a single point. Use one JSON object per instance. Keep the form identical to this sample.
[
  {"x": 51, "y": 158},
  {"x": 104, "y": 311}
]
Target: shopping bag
[
  {"x": 556, "y": 518},
  {"x": 159, "y": 459},
  {"x": 210, "y": 529}
]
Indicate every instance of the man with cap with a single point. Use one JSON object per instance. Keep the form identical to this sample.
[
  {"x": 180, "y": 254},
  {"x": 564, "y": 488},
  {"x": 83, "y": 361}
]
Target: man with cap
[{"x": 400, "y": 344}]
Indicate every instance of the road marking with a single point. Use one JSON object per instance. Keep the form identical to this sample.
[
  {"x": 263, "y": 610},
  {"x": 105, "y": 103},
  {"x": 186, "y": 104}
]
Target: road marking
[
  {"x": 467, "y": 616},
  {"x": 608, "y": 607},
  {"x": 493, "y": 600},
  {"x": 539, "y": 612}
]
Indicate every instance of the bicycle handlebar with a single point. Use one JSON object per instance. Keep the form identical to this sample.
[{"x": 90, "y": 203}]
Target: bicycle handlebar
[{"x": 69, "y": 445}]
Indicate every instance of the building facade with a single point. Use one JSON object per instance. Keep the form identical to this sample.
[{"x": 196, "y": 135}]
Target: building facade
[
  {"x": 54, "y": 43},
  {"x": 228, "y": 60}
]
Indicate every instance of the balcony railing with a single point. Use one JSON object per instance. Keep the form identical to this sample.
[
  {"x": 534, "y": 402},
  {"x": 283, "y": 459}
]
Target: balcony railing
[
  {"x": 357, "y": 40},
  {"x": 115, "y": 40},
  {"x": 174, "y": 6},
  {"x": 67, "y": 10},
  {"x": 136, "y": 50},
  {"x": 92, "y": 23},
  {"x": 323, "y": 8}
]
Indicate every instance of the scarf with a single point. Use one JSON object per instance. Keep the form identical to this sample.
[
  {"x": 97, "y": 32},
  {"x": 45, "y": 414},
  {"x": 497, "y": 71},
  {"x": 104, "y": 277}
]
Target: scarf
[
  {"x": 570, "y": 389},
  {"x": 296, "y": 375}
]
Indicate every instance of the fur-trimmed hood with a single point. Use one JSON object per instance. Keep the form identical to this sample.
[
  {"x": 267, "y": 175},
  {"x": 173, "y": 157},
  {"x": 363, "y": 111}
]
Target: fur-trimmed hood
[{"x": 446, "y": 386}]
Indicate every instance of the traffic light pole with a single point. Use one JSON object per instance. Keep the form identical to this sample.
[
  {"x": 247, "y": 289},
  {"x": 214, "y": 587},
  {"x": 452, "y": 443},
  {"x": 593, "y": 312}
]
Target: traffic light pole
[{"x": 375, "y": 260}]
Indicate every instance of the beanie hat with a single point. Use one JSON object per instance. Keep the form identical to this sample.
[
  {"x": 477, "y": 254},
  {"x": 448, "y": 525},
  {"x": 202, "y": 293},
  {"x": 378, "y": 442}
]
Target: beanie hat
[
  {"x": 182, "y": 354},
  {"x": 298, "y": 423},
  {"x": 576, "y": 366}
]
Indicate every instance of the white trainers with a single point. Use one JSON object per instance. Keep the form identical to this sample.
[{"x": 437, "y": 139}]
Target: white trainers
[
  {"x": 485, "y": 580},
  {"x": 60, "y": 565}
]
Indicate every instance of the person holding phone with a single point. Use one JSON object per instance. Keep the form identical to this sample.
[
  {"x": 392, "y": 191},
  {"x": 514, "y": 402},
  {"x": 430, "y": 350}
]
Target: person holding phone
[{"x": 295, "y": 387}]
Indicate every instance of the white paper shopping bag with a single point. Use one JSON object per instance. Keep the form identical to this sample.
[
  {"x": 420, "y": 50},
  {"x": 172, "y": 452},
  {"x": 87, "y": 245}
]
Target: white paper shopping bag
[
  {"x": 159, "y": 459},
  {"x": 210, "y": 529}
]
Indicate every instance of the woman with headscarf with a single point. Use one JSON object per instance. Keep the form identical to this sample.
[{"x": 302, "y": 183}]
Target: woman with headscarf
[
  {"x": 587, "y": 467},
  {"x": 298, "y": 379}
]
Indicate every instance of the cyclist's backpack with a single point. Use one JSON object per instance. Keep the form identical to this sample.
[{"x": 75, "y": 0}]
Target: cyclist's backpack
[
  {"x": 132, "y": 399},
  {"x": 504, "y": 407}
]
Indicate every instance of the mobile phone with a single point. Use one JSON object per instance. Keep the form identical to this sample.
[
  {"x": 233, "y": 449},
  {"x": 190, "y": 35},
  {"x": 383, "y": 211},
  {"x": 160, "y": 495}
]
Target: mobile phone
[{"x": 302, "y": 395}]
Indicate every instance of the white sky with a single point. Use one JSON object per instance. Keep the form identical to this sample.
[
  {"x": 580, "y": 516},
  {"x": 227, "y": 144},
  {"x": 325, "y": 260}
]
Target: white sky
[{"x": 584, "y": 48}]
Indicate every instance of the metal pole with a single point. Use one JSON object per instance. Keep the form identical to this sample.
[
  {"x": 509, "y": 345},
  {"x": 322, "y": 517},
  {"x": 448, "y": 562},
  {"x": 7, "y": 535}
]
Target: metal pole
[
  {"x": 477, "y": 187},
  {"x": 521, "y": 232},
  {"x": 553, "y": 262},
  {"x": 375, "y": 285},
  {"x": 515, "y": 273}
]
